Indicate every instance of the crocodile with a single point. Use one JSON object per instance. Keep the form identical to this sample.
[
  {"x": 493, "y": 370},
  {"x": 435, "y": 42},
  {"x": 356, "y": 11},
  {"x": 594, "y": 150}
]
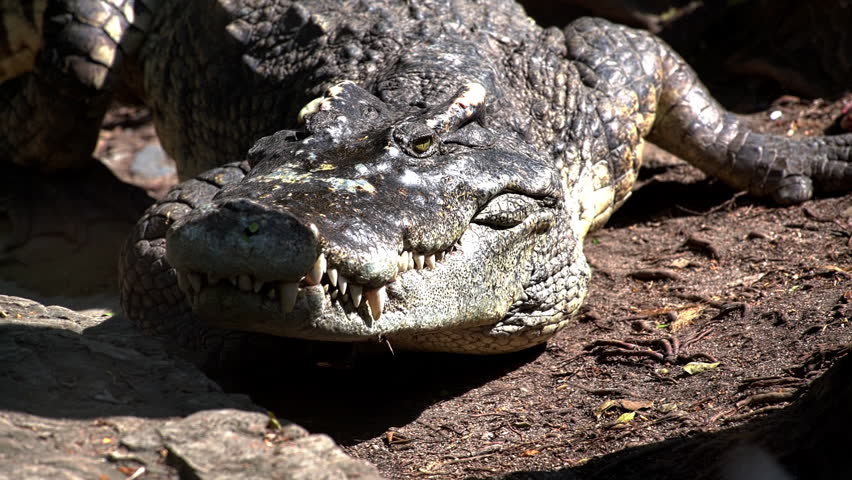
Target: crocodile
[
  {"x": 20, "y": 36},
  {"x": 421, "y": 173}
]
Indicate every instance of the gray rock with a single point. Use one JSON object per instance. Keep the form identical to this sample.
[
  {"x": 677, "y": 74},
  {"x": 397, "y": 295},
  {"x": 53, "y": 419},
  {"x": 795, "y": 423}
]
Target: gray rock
[
  {"x": 86, "y": 397},
  {"x": 152, "y": 162}
]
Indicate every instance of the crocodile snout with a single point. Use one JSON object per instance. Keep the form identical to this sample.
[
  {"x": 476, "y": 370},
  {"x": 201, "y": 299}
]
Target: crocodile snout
[{"x": 242, "y": 238}]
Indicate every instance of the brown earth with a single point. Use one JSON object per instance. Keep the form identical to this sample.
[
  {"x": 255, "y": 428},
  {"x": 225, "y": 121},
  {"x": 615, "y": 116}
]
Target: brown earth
[{"x": 764, "y": 291}]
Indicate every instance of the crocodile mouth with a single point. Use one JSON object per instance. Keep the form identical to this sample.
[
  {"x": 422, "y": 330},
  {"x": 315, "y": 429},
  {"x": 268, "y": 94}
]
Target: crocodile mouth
[
  {"x": 472, "y": 283},
  {"x": 282, "y": 295}
]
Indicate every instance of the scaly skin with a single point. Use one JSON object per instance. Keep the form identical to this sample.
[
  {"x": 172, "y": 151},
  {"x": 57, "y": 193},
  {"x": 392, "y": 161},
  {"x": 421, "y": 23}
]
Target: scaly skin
[
  {"x": 50, "y": 117},
  {"x": 20, "y": 36},
  {"x": 456, "y": 158}
]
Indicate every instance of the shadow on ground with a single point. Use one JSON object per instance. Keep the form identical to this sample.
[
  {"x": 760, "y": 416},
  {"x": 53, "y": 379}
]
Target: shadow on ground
[
  {"x": 809, "y": 439},
  {"x": 57, "y": 364},
  {"x": 358, "y": 395}
]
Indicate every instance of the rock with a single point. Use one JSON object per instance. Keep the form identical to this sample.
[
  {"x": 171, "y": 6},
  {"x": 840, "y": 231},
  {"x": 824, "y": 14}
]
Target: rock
[
  {"x": 90, "y": 398},
  {"x": 152, "y": 163}
]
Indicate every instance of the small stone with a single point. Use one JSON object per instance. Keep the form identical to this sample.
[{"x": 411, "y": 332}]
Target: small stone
[{"x": 152, "y": 162}]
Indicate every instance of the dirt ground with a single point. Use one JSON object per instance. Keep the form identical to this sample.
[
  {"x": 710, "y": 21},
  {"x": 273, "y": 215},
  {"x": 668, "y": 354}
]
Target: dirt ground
[{"x": 763, "y": 294}]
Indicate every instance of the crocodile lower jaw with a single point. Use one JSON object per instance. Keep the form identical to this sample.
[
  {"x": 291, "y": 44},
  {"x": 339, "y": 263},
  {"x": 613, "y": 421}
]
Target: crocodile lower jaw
[
  {"x": 282, "y": 295},
  {"x": 459, "y": 291}
]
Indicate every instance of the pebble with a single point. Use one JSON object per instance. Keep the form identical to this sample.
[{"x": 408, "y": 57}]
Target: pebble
[{"x": 152, "y": 162}]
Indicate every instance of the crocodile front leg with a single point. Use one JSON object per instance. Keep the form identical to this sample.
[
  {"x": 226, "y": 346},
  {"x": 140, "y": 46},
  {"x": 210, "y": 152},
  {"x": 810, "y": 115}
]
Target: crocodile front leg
[{"x": 650, "y": 86}]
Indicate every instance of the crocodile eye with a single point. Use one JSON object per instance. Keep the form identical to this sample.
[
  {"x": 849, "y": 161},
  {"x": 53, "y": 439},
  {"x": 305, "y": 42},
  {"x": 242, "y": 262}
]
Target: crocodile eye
[{"x": 422, "y": 144}]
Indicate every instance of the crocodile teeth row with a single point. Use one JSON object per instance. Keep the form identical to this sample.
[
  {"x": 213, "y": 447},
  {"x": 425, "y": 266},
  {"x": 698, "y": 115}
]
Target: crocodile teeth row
[
  {"x": 287, "y": 293},
  {"x": 315, "y": 275},
  {"x": 337, "y": 287},
  {"x": 416, "y": 261}
]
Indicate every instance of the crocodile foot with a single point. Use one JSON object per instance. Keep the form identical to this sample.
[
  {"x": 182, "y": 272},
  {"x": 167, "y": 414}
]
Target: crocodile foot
[{"x": 669, "y": 349}]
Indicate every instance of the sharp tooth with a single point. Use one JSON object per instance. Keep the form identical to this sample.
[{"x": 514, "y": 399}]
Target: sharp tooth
[
  {"x": 430, "y": 261},
  {"x": 287, "y": 293},
  {"x": 212, "y": 280},
  {"x": 402, "y": 263},
  {"x": 194, "y": 281},
  {"x": 257, "y": 285},
  {"x": 315, "y": 275},
  {"x": 314, "y": 229},
  {"x": 410, "y": 261},
  {"x": 355, "y": 293},
  {"x": 244, "y": 282},
  {"x": 183, "y": 281},
  {"x": 418, "y": 261},
  {"x": 376, "y": 300},
  {"x": 333, "y": 294},
  {"x": 332, "y": 276},
  {"x": 342, "y": 283}
]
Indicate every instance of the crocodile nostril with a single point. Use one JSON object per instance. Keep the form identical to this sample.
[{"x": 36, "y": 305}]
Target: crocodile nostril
[
  {"x": 243, "y": 237},
  {"x": 252, "y": 229}
]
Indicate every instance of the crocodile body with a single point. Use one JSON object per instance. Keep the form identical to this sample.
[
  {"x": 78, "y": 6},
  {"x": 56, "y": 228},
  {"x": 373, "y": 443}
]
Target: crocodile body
[
  {"x": 20, "y": 36},
  {"x": 422, "y": 173}
]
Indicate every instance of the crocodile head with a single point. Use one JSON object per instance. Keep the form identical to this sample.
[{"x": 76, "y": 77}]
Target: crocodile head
[{"x": 419, "y": 226}]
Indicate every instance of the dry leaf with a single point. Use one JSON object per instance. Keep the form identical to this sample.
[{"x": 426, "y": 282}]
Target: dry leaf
[
  {"x": 680, "y": 263},
  {"x": 694, "y": 368},
  {"x": 126, "y": 470},
  {"x": 600, "y": 409},
  {"x": 685, "y": 316},
  {"x": 272, "y": 423},
  {"x": 396, "y": 438},
  {"x": 625, "y": 417},
  {"x": 634, "y": 405},
  {"x": 836, "y": 269},
  {"x": 746, "y": 281}
]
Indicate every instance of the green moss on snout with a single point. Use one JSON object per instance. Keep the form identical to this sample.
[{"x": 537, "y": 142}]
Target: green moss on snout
[{"x": 252, "y": 229}]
